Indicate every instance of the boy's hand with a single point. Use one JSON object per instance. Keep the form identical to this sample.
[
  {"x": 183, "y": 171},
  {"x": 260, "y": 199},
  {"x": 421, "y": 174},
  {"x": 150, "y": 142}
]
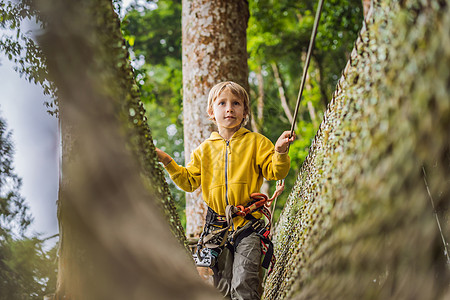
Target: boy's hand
[
  {"x": 282, "y": 144},
  {"x": 163, "y": 157}
]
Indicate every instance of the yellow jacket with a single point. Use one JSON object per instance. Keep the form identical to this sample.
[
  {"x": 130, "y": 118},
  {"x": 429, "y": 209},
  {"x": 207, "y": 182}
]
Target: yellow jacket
[{"x": 229, "y": 171}]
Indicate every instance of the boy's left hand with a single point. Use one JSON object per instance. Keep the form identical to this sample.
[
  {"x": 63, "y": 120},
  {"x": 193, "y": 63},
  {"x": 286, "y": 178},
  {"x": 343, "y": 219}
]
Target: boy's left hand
[{"x": 282, "y": 144}]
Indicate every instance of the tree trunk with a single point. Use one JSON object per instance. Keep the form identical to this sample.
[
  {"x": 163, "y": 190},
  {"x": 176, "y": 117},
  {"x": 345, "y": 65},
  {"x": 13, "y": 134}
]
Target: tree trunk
[
  {"x": 281, "y": 92},
  {"x": 258, "y": 117},
  {"x": 322, "y": 85},
  {"x": 261, "y": 97},
  {"x": 312, "y": 113},
  {"x": 214, "y": 50},
  {"x": 116, "y": 241}
]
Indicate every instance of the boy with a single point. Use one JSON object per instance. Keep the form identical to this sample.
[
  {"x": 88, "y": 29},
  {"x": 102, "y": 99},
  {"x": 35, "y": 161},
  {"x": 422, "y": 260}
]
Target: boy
[{"x": 230, "y": 165}]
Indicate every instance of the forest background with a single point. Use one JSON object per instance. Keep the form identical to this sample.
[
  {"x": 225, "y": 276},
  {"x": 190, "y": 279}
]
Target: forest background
[{"x": 277, "y": 39}]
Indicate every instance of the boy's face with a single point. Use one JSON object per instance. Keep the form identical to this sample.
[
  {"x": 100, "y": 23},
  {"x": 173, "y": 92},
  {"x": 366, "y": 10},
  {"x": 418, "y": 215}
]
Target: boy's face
[{"x": 228, "y": 110}]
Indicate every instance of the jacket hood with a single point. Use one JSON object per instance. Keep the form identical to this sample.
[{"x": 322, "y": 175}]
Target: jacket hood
[{"x": 216, "y": 136}]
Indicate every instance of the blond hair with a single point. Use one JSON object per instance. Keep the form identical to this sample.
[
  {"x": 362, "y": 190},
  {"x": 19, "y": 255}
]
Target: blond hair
[{"x": 234, "y": 88}]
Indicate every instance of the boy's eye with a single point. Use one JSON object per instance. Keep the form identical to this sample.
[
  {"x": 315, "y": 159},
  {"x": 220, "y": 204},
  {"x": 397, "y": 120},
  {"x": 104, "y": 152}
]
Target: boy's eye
[{"x": 237, "y": 103}]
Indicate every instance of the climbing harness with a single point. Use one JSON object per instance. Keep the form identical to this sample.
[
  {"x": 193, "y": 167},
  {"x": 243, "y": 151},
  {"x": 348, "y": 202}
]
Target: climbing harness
[{"x": 217, "y": 234}]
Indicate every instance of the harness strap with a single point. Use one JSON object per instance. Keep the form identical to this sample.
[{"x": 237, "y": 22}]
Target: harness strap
[
  {"x": 216, "y": 237},
  {"x": 269, "y": 257},
  {"x": 215, "y": 231}
]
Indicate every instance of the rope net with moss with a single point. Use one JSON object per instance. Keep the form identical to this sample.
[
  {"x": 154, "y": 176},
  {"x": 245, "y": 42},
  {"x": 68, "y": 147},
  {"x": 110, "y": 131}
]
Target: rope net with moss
[{"x": 359, "y": 224}]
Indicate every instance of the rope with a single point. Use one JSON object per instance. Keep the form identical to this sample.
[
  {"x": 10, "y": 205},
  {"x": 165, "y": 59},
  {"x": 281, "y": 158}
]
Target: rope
[
  {"x": 308, "y": 59},
  {"x": 280, "y": 183},
  {"x": 437, "y": 218},
  {"x": 278, "y": 191}
]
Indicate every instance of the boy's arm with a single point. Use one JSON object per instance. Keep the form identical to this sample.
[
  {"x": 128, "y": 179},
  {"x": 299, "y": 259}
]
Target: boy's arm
[
  {"x": 187, "y": 178},
  {"x": 275, "y": 161}
]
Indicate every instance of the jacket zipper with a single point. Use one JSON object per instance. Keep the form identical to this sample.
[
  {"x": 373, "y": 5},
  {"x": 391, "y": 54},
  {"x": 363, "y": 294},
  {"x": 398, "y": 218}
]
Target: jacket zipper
[
  {"x": 226, "y": 172},
  {"x": 226, "y": 178}
]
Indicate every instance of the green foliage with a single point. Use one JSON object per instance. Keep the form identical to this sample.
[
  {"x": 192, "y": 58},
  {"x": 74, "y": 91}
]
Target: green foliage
[
  {"x": 13, "y": 210},
  {"x": 154, "y": 39},
  {"x": 163, "y": 40},
  {"x": 278, "y": 32},
  {"x": 19, "y": 19},
  {"x": 299, "y": 149},
  {"x": 26, "y": 270}
]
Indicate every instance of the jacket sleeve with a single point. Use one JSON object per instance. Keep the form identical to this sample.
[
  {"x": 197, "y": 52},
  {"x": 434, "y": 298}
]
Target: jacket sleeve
[
  {"x": 274, "y": 165},
  {"x": 187, "y": 178}
]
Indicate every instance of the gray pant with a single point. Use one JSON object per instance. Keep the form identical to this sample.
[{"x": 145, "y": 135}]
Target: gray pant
[{"x": 238, "y": 277}]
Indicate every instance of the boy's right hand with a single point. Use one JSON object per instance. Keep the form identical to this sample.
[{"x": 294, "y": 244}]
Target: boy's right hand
[
  {"x": 163, "y": 157},
  {"x": 282, "y": 144}
]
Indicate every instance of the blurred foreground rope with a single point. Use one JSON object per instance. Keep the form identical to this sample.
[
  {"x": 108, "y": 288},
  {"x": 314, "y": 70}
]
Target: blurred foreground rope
[{"x": 437, "y": 218}]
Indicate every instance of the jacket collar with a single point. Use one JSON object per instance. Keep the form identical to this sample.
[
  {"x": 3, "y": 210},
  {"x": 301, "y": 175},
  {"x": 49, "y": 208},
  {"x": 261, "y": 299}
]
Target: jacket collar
[{"x": 216, "y": 136}]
